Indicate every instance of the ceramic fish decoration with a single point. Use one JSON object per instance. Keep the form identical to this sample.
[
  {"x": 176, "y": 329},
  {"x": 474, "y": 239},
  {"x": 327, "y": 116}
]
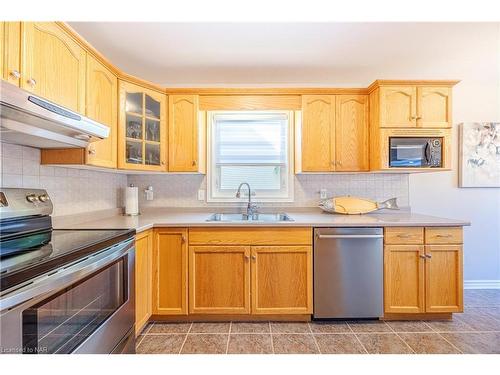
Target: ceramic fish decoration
[{"x": 354, "y": 205}]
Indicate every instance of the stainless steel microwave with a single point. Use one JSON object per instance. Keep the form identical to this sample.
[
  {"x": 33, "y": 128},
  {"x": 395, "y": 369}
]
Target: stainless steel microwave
[{"x": 417, "y": 152}]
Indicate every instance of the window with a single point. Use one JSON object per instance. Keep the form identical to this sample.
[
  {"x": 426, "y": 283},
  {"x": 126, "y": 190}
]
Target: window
[{"x": 251, "y": 147}]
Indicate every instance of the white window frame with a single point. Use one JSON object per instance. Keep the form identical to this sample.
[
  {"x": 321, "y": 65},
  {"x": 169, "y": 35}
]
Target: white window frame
[{"x": 214, "y": 195}]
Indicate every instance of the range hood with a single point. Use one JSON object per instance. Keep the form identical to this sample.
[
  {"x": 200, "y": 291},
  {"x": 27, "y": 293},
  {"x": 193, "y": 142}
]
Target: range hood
[{"x": 26, "y": 119}]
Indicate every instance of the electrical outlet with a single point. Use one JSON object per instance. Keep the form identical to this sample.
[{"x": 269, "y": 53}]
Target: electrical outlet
[
  {"x": 323, "y": 193},
  {"x": 201, "y": 195}
]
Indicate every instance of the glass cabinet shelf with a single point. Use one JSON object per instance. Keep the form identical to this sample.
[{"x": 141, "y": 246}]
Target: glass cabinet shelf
[{"x": 144, "y": 127}]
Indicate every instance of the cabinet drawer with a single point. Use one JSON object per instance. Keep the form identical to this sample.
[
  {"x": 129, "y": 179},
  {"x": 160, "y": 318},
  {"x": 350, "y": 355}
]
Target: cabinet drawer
[
  {"x": 443, "y": 235},
  {"x": 404, "y": 235},
  {"x": 250, "y": 236}
]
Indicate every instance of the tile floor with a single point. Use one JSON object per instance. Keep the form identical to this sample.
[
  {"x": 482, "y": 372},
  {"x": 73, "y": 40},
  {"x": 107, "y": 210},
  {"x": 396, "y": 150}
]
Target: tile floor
[{"x": 477, "y": 330}]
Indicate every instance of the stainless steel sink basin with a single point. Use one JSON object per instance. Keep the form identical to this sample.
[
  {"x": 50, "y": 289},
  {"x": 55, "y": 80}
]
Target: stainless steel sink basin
[{"x": 255, "y": 218}]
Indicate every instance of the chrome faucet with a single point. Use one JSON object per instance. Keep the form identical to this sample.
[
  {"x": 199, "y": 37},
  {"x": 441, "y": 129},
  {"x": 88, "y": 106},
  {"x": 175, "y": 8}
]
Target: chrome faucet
[{"x": 251, "y": 208}]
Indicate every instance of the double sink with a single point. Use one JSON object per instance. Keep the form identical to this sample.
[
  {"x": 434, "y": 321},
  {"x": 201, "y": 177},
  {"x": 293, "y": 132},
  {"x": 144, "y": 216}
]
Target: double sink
[{"x": 254, "y": 218}]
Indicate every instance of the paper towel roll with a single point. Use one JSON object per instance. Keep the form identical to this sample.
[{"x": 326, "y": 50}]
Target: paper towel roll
[{"x": 131, "y": 200}]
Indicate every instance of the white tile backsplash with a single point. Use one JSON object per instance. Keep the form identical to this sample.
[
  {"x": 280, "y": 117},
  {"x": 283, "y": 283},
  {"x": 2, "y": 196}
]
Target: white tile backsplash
[
  {"x": 76, "y": 191},
  {"x": 72, "y": 191},
  {"x": 179, "y": 190}
]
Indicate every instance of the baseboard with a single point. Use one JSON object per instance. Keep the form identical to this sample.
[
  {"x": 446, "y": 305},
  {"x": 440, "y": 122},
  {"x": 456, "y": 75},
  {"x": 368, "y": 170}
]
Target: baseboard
[{"x": 481, "y": 284}]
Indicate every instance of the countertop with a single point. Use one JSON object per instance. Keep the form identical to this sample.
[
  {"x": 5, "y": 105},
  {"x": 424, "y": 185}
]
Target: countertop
[{"x": 175, "y": 217}]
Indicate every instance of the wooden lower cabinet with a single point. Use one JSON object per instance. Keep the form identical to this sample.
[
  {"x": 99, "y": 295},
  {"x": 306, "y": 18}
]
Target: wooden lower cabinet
[
  {"x": 404, "y": 278},
  {"x": 143, "y": 271},
  {"x": 426, "y": 277},
  {"x": 170, "y": 267},
  {"x": 443, "y": 278},
  {"x": 281, "y": 279},
  {"x": 219, "y": 279}
]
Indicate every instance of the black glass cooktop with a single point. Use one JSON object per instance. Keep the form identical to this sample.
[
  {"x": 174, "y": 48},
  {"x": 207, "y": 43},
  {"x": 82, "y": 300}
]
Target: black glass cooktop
[{"x": 25, "y": 257}]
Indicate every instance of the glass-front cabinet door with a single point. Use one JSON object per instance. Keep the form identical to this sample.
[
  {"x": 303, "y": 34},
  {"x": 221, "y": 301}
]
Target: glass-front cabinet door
[{"x": 143, "y": 130}]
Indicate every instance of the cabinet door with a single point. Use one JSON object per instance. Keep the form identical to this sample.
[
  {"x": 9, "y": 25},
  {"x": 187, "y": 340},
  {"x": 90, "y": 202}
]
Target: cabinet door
[
  {"x": 143, "y": 277},
  {"x": 443, "y": 278},
  {"x": 281, "y": 280},
  {"x": 142, "y": 128},
  {"x": 170, "y": 272},
  {"x": 183, "y": 133},
  {"x": 404, "y": 278},
  {"x": 219, "y": 280},
  {"x": 317, "y": 133},
  {"x": 10, "y": 51},
  {"x": 434, "y": 107},
  {"x": 53, "y": 65},
  {"x": 351, "y": 133},
  {"x": 102, "y": 91},
  {"x": 398, "y": 106}
]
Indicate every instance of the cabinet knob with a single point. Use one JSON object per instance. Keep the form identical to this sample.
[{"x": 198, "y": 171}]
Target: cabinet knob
[
  {"x": 91, "y": 152},
  {"x": 339, "y": 163},
  {"x": 254, "y": 257},
  {"x": 194, "y": 163},
  {"x": 422, "y": 256},
  {"x": 418, "y": 117},
  {"x": 183, "y": 239},
  {"x": 428, "y": 256},
  {"x": 413, "y": 117},
  {"x": 15, "y": 74},
  {"x": 247, "y": 257},
  {"x": 31, "y": 82},
  {"x": 162, "y": 162}
]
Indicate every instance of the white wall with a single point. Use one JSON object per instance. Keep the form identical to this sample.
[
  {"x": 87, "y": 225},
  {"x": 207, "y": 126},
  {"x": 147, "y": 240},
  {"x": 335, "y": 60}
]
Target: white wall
[{"x": 476, "y": 98}]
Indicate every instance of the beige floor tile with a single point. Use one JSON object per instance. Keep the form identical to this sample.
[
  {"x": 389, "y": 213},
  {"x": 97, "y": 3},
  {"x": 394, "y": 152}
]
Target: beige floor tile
[
  {"x": 371, "y": 326},
  {"x": 339, "y": 344},
  {"x": 169, "y": 328},
  {"x": 454, "y": 325},
  {"x": 383, "y": 343},
  {"x": 409, "y": 326},
  {"x": 161, "y": 344},
  {"x": 428, "y": 343},
  {"x": 480, "y": 343},
  {"x": 250, "y": 327},
  {"x": 330, "y": 327},
  {"x": 205, "y": 344},
  {"x": 290, "y": 327},
  {"x": 479, "y": 321},
  {"x": 250, "y": 344},
  {"x": 210, "y": 327},
  {"x": 294, "y": 344}
]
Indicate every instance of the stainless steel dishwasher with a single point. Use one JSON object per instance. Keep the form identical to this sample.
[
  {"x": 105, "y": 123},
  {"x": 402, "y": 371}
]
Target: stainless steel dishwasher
[{"x": 348, "y": 273}]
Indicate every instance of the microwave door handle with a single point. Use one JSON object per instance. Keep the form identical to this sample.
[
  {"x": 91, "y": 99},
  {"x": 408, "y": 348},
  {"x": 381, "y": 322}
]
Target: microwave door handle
[{"x": 428, "y": 152}]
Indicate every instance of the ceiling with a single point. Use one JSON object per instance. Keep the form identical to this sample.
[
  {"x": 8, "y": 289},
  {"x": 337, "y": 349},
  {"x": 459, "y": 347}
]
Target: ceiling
[{"x": 295, "y": 54}]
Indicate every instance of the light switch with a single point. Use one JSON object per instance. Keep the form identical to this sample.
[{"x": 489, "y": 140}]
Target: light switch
[{"x": 201, "y": 195}]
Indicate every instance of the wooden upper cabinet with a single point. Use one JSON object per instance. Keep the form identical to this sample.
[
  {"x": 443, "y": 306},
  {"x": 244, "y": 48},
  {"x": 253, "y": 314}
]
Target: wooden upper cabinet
[
  {"x": 281, "y": 279},
  {"x": 404, "y": 278},
  {"x": 443, "y": 278},
  {"x": 183, "y": 133},
  {"x": 317, "y": 149},
  {"x": 219, "y": 279},
  {"x": 10, "y": 52},
  {"x": 53, "y": 65},
  {"x": 398, "y": 106},
  {"x": 143, "y": 278},
  {"x": 434, "y": 107},
  {"x": 101, "y": 103},
  {"x": 142, "y": 128},
  {"x": 170, "y": 264},
  {"x": 351, "y": 133}
]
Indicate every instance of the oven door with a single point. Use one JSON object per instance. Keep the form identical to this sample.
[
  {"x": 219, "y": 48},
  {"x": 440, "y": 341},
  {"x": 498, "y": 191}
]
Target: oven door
[
  {"x": 86, "y": 307},
  {"x": 409, "y": 152}
]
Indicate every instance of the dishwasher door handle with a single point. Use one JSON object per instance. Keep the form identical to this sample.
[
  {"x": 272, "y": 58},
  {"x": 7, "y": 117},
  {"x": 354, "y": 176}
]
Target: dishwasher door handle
[{"x": 333, "y": 236}]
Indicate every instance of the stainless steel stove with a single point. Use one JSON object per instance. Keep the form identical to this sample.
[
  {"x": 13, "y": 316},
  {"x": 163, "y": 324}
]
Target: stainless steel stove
[{"x": 62, "y": 291}]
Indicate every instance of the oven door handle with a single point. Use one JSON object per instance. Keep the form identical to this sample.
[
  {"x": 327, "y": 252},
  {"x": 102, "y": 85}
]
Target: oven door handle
[{"x": 65, "y": 275}]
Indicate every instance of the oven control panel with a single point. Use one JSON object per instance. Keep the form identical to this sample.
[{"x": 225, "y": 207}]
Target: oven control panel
[{"x": 24, "y": 202}]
